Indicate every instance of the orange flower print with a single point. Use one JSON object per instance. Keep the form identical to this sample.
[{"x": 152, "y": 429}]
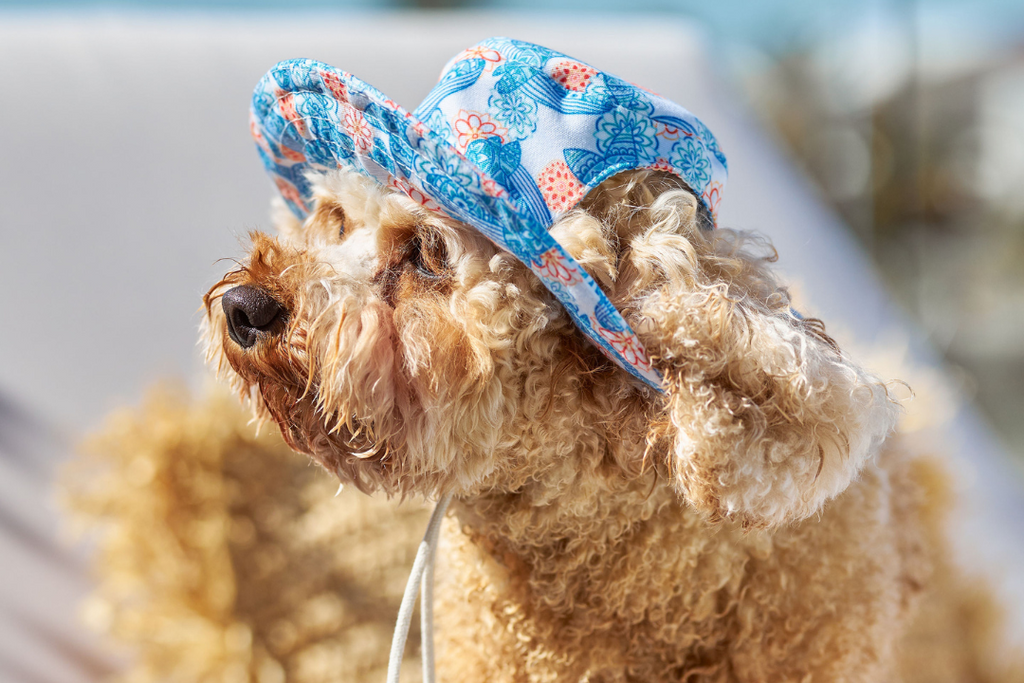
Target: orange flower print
[
  {"x": 418, "y": 126},
  {"x": 559, "y": 186},
  {"x": 479, "y": 52},
  {"x": 492, "y": 189},
  {"x": 359, "y": 129},
  {"x": 291, "y": 193},
  {"x": 287, "y": 104},
  {"x": 663, "y": 130},
  {"x": 257, "y": 134},
  {"x": 415, "y": 194},
  {"x": 628, "y": 347},
  {"x": 572, "y": 75},
  {"x": 661, "y": 164},
  {"x": 334, "y": 84},
  {"x": 554, "y": 266},
  {"x": 292, "y": 155},
  {"x": 712, "y": 197},
  {"x": 471, "y": 125}
]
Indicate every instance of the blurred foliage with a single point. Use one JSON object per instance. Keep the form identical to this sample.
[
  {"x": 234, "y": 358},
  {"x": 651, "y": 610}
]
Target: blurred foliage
[{"x": 927, "y": 172}]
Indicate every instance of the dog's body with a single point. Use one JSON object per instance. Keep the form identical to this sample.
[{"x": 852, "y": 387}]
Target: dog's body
[
  {"x": 601, "y": 531},
  {"x": 622, "y": 582}
]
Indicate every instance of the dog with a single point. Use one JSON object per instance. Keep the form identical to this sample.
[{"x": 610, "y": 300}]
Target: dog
[
  {"x": 600, "y": 532},
  {"x": 739, "y": 517}
]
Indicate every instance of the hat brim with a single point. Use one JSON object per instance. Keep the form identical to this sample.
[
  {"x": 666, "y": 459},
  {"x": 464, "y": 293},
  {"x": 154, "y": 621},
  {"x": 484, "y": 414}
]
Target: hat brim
[{"x": 309, "y": 117}]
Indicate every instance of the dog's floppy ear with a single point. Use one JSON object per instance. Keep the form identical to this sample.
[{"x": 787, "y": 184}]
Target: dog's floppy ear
[{"x": 763, "y": 419}]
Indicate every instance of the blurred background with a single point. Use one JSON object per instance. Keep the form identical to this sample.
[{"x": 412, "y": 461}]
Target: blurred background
[
  {"x": 880, "y": 144},
  {"x": 908, "y": 117}
]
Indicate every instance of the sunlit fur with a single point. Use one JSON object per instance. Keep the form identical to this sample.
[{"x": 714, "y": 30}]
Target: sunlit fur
[{"x": 741, "y": 526}]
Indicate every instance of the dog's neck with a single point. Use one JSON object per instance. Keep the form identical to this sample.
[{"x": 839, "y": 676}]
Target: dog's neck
[
  {"x": 592, "y": 509},
  {"x": 580, "y": 472},
  {"x": 560, "y": 539}
]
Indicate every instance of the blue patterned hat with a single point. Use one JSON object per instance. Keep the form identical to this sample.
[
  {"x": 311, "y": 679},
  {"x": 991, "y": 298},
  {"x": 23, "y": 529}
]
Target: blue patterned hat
[{"x": 513, "y": 136}]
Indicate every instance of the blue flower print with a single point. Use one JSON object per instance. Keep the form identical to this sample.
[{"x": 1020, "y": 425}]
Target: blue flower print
[
  {"x": 439, "y": 124},
  {"x": 516, "y": 111},
  {"x": 711, "y": 142},
  {"x": 624, "y": 132},
  {"x": 330, "y": 152},
  {"x": 691, "y": 160},
  {"x": 435, "y": 161}
]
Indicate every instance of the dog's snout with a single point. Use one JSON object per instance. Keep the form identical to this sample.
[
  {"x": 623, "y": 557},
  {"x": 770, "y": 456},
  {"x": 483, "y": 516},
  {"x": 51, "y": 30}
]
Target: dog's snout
[{"x": 251, "y": 313}]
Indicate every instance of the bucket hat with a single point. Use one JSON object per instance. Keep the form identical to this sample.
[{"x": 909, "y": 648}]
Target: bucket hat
[{"x": 511, "y": 138}]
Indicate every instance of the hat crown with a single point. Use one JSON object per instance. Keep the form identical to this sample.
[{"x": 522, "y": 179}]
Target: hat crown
[{"x": 548, "y": 128}]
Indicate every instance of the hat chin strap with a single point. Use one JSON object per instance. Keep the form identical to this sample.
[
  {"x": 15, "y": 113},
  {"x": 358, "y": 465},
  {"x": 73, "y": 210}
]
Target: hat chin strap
[{"x": 421, "y": 578}]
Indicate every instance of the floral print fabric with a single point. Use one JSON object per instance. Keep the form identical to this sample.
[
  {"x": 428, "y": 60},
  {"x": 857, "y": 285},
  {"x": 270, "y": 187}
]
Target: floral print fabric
[{"x": 511, "y": 137}]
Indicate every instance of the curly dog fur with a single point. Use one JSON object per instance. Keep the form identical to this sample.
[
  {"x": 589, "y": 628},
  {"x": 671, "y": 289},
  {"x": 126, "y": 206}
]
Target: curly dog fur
[{"x": 746, "y": 525}]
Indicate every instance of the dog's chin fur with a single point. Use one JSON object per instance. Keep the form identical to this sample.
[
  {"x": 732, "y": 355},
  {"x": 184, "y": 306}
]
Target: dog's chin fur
[{"x": 608, "y": 531}]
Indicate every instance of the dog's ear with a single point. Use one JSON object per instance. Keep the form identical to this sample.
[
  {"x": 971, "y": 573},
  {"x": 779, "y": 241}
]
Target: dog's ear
[{"x": 763, "y": 419}]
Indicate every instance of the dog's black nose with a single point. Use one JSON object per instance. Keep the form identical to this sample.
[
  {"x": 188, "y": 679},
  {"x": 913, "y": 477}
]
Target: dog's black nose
[{"x": 251, "y": 313}]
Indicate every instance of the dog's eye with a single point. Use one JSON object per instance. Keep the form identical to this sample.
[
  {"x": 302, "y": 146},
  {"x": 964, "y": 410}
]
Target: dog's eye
[
  {"x": 336, "y": 219},
  {"x": 427, "y": 256}
]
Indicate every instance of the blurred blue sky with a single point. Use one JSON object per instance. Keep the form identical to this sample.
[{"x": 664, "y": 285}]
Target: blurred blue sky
[{"x": 773, "y": 26}]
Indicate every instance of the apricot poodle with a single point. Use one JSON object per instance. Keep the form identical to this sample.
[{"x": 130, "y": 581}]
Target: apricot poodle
[{"x": 745, "y": 523}]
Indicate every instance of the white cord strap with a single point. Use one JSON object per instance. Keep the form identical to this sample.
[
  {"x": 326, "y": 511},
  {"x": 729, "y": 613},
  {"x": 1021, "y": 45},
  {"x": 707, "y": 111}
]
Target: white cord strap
[{"x": 421, "y": 576}]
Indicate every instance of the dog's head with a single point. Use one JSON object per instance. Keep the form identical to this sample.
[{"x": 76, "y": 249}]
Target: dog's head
[{"x": 406, "y": 352}]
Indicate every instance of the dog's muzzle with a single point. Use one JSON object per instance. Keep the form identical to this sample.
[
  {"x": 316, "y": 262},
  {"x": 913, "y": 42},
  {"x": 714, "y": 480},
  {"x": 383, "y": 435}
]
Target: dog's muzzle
[{"x": 251, "y": 313}]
